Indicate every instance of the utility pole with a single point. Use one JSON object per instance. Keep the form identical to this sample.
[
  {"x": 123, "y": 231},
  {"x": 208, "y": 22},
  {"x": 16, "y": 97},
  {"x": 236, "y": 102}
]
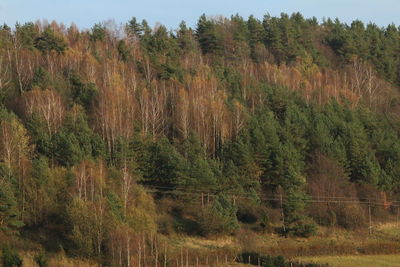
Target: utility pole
[
  {"x": 282, "y": 213},
  {"x": 165, "y": 254},
  {"x": 370, "y": 218}
]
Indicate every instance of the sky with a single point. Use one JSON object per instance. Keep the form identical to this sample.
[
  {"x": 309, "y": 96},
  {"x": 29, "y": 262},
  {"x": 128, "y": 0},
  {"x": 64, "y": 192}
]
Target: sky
[{"x": 85, "y": 13}]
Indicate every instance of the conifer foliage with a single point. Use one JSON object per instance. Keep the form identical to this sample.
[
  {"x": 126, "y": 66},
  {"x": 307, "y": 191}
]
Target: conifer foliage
[{"x": 100, "y": 130}]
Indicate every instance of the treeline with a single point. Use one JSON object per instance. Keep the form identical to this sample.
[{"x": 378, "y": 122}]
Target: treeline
[{"x": 113, "y": 138}]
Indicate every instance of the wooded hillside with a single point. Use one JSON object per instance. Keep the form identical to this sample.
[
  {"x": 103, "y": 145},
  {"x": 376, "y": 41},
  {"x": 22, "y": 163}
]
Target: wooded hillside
[{"x": 118, "y": 136}]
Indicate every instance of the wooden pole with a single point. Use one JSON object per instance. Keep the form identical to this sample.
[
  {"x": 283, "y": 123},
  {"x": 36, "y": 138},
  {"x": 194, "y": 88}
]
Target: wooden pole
[
  {"x": 140, "y": 255},
  {"x": 202, "y": 200},
  {"x": 370, "y": 217},
  {"x": 181, "y": 257},
  {"x": 156, "y": 251},
  {"x": 187, "y": 258},
  {"x": 128, "y": 250},
  {"x": 144, "y": 250},
  {"x": 398, "y": 211},
  {"x": 165, "y": 255},
  {"x": 282, "y": 213}
]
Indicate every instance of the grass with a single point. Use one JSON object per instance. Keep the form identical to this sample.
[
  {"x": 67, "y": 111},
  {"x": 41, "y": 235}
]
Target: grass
[
  {"x": 59, "y": 260},
  {"x": 355, "y": 261},
  {"x": 360, "y": 248}
]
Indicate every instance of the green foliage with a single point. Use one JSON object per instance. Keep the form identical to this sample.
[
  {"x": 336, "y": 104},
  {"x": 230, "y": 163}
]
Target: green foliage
[
  {"x": 75, "y": 141},
  {"x": 67, "y": 149},
  {"x": 41, "y": 259},
  {"x": 165, "y": 167},
  {"x": 10, "y": 258},
  {"x": 207, "y": 36},
  {"x": 186, "y": 40},
  {"x": 83, "y": 233},
  {"x": 40, "y": 135},
  {"x": 368, "y": 42},
  {"x": 199, "y": 172},
  {"x": 9, "y": 213},
  {"x": 137, "y": 30},
  {"x": 98, "y": 33},
  {"x": 82, "y": 93},
  {"x": 133, "y": 28},
  {"x": 263, "y": 260},
  {"x": 41, "y": 78},
  {"x": 27, "y": 34},
  {"x": 229, "y": 126},
  {"x": 219, "y": 217},
  {"x": 123, "y": 51},
  {"x": 50, "y": 41}
]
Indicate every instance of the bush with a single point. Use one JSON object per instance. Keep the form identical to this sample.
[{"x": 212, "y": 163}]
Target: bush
[
  {"x": 272, "y": 261},
  {"x": 10, "y": 258},
  {"x": 304, "y": 229},
  {"x": 219, "y": 217},
  {"x": 351, "y": 216},
  {"x": 300, "y": 228},
  {"x": 41, "y": 259}
]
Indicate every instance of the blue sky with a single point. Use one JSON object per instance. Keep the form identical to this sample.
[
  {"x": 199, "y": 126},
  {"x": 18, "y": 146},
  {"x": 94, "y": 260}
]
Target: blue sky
[{"x": 85, "y": 13}]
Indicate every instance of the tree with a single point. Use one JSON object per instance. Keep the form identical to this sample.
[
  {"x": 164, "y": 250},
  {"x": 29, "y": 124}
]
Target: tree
[
  {"x": 40, "y": 192},
  {"x": 9, "y": 212},
  {"x": 133, "y": 29},
  {"x": 48, "y": 41},
  {"x": 166, "y": 166},
  {"x": 14, "y": 140},
  {"x": 219, "y": 217},
  {"x": 123, "y": 51},
  {"x": 82, "y": 93},
  {"x": 207, "y": 37},
  {"x": 98, "y": 32},
  {"x": 256, "y": 38},
  {"x": 47, "y": 104},
  {"x": 10, "y": 258}
]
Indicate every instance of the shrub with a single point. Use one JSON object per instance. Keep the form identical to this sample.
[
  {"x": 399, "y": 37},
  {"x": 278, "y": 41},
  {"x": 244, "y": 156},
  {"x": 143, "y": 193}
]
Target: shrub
[
  {"x": 219, "y": 217},
  {"x": 302, "y": 229},
  {"x": 351, "y": 216},
  {"x": 41, "y": 259},
  {"x": 272, "y": 261},
  {"x": 10, "y": 258}
]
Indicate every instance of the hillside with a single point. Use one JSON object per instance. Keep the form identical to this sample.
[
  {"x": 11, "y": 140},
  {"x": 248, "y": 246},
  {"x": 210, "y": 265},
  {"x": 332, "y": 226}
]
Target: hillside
[{"x": 116, "y": 142}]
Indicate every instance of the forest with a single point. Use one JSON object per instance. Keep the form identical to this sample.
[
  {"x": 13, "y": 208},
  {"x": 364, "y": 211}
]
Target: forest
[{"x": 117, "y": 138}]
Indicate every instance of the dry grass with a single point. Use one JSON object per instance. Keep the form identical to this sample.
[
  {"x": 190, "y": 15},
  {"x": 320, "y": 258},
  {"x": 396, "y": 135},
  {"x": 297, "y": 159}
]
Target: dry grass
[
  {"x": 58, "y": 260},
  {"x": 355, "y": 261},
  {"x": 199, "y": 243},
  {"x": 392, "y": 229},
  {"x": 326, "y": 247}
]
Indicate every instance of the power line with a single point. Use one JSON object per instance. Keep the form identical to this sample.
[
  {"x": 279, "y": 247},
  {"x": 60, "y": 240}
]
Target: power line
[
  {"x": 270, "y": 197},
  {"x": 190, "y": 189}
]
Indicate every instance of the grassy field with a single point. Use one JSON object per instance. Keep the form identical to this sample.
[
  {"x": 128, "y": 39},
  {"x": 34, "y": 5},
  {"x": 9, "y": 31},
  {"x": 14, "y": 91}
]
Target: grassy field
[
  {"x": 59, "y": 260},
  {"x": 360, "y": 248},
  {"x": 356, "y": 261}
]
